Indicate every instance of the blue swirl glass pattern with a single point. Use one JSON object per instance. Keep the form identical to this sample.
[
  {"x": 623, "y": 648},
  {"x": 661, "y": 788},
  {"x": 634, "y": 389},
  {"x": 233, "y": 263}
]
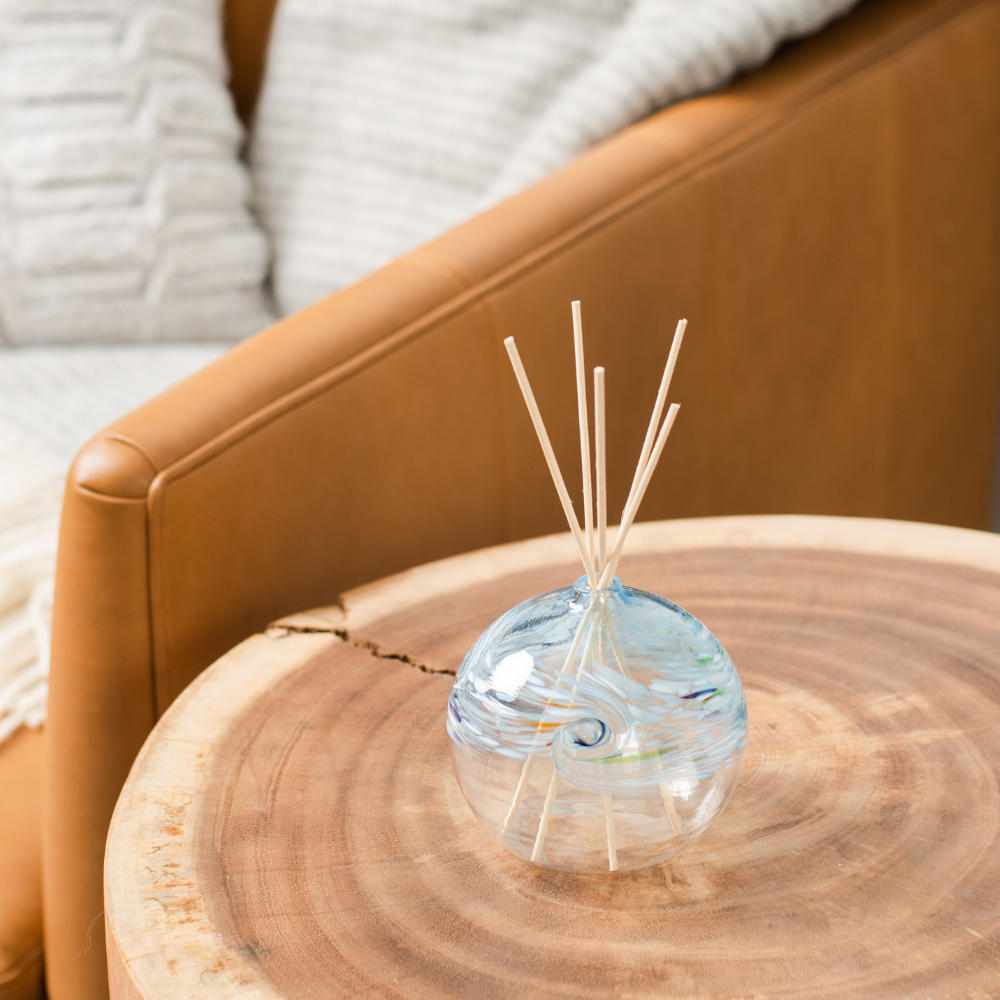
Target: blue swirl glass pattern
[{"x": 597, "y": 731}]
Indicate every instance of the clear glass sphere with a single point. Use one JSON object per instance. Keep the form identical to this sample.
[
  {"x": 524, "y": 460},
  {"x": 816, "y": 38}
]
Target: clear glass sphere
[{"x": 597, "y": 730}]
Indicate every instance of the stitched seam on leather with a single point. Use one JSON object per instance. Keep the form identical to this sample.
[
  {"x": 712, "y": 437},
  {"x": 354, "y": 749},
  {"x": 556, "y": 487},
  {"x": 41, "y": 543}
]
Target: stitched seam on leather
[
  {"x": 111, "y": 498},
  {"x": 445, "y": 264},
  {"x": 665, "y": 137},
  {"x": 760, "y": 126},
  {"x": 112, "y": 436},
  {"x": 143, "y": 501},
  {"x": 128, "y": 442}
]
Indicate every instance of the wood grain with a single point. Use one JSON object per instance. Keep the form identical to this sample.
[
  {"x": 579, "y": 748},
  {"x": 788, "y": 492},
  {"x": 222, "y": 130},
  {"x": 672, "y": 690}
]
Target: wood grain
[{"x": 293, "y": 827}]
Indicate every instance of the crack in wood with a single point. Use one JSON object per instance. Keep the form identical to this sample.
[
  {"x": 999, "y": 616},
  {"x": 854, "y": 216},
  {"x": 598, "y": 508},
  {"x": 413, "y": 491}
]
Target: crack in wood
[{"x": 277, "y": 631}]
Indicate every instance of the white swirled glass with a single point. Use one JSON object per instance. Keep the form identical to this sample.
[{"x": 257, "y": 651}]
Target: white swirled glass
[{"x": 597, "y": 730}]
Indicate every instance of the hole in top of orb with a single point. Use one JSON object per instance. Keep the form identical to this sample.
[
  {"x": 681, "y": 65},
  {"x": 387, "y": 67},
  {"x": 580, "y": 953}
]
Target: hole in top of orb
[{"x": 588, "y": 732}]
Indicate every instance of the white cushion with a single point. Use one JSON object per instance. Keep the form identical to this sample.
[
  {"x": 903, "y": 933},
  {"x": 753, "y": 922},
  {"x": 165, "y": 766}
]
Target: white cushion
[{"x": 122, "y": 203}]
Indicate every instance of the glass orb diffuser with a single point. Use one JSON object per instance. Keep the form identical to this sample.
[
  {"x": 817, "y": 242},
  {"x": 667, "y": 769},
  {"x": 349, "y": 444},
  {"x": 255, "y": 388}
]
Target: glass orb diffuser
[
  {"x": 598, "y": 727},
  {"x": 597, "y": 730}
]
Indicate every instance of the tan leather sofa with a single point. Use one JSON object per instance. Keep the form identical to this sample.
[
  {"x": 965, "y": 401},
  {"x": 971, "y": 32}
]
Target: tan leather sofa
[{"x": 829, "y": 224}]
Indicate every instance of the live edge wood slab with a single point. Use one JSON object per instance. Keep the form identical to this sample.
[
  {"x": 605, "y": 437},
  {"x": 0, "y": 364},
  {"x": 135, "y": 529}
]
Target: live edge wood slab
[{"x": 293, "y": 828}]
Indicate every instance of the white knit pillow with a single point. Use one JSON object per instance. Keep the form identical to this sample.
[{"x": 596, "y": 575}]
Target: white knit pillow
[
  {"x": 122, "y": 203},
  {"x": 384, "y": 122}
]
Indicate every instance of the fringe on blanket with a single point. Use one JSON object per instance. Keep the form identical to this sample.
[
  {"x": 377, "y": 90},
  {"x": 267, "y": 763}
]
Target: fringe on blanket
[{"x": 31, "y": 485}]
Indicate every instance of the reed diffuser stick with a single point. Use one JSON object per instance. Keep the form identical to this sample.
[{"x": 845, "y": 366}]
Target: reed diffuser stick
[
  {"x": 581, "y": 411},
  {"x": 661, "y": 399},
  {"x": 515, "y": 804},
  {"x": 543, "y": 824},
  {"x": 550, "y": 458},
  {"x": 522, "y": 783},
  {"x": 616, "y": 645},
  {"x": 601, "y": 468},
  {"x": 668, "y": 804},
  {"x": 609, "y": 825},
  {"x": 595, "y": 614},
  {"x": 632, "y": 508}
]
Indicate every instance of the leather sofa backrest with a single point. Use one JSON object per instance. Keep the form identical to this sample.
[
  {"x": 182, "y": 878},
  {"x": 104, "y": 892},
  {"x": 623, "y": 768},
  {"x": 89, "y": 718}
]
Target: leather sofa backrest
[{"x": 246, "y": 27}]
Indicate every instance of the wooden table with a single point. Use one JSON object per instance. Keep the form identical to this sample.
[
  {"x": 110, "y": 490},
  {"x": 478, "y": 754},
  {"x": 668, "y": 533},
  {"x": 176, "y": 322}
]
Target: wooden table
[{"x": 293, "y": 827}]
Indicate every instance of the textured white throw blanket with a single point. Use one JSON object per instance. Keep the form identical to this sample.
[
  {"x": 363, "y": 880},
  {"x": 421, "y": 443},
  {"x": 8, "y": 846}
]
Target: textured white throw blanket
[
  {"x": 123, "y": 210},
  {"x": 51, "y": 401},
  {"x": 385, "y": 122},
  {"x": 30, "y": 486}
]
